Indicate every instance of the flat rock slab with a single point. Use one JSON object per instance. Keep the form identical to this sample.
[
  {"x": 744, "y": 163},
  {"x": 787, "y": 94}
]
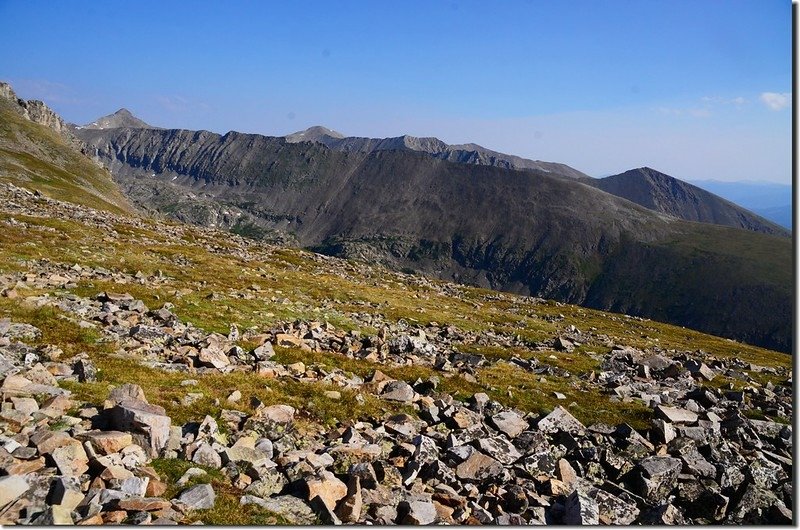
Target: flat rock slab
[
  {"x": 509, "y": 423},
  {"x": 106, "y": 442},
  {"x": 291, "y": 508},
  {"x": 675, "y": 415},
  {"x": 143, "y": 504},
  {"x": 479, "y": 467},
  {"x": 11, "y": 488}
]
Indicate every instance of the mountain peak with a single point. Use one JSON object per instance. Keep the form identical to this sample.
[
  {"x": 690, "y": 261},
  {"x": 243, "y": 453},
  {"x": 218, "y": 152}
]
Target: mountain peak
[
  {"x": 312, "y": 134},
  {"x": 121, "y": 118}
]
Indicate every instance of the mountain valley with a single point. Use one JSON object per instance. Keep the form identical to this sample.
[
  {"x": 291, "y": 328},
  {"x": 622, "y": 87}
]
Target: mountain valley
[{"x": 525, "y": 231}]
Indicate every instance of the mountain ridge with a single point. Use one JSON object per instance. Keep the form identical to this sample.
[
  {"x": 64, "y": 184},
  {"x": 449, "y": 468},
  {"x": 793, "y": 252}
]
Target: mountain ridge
[
  {"x": 644, "y": 186},
  {"x": 462, "y": 153}
]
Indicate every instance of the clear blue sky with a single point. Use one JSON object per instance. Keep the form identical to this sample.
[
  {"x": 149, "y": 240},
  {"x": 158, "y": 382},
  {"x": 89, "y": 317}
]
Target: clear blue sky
[{"x": 699, "y": 89}]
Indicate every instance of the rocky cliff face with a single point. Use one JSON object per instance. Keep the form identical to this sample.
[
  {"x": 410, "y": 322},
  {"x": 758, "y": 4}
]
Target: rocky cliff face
[
  {"x": 527, "y": 231},
  {"x": 38, "y": 112}
]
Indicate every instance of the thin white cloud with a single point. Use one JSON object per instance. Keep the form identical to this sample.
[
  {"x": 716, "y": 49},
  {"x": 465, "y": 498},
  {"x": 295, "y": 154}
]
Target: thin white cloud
[
  {"x": 696, "y": 112},
  {"x": 718, "y": 100},
  {"x": 775, "y": 100}
]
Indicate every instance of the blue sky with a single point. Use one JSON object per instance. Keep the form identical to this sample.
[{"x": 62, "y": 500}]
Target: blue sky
[{"x": 699, "y": 89}]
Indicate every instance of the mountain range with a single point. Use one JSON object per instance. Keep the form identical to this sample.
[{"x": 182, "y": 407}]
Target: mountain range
[
  {"x": 628, "y": 243},
  {"x": 640, "y": 242}
]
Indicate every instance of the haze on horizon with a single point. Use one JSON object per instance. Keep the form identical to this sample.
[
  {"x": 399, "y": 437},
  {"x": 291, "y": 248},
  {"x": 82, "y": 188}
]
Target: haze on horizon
[{"x": 687, "y": 87}]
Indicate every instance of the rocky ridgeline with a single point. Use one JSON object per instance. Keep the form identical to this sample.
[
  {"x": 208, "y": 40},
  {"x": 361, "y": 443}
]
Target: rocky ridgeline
[
  {"x": 38, "y": 112},
  {"x": 703, "y": 459}
]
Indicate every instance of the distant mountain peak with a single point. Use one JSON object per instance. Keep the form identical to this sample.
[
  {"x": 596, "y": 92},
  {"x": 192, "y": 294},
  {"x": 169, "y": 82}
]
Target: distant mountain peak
[
  {"x": 663, "y": 193},
  {"x": 121, "y": 118},
  {"x": 313, "y": 134}
]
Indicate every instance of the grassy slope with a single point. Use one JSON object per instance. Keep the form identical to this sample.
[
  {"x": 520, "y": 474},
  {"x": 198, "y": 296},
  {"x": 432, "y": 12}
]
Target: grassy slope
[{"x": 36, "y": 157}]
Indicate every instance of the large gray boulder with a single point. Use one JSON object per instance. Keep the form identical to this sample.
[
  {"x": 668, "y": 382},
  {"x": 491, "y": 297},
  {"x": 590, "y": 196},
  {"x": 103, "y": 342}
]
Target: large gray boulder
[{"x": 149, "y": 424}]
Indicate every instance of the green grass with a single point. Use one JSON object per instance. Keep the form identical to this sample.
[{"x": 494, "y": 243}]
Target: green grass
[{"x": 227, "y": 510}]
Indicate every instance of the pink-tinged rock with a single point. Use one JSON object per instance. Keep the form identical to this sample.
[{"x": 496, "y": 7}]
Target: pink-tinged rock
[
  {"x": 213, "y": 357},
  {"x": 327, "y": 487},
  {"x": 71, "y": 459},
  {"x": 107, "y": 442}
]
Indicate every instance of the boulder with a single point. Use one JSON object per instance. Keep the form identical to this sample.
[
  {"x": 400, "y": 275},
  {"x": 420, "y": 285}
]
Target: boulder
[
  {"x": 580, "y": 509},
  {"x": 327, "y": 487},
  {"x": 500, "y": 448},
  {"x": 205, "y": 455},
  {"x": 561, "y": 420},
  {"x": 349, "y": 509},
  {"x": 140, "y": 418},
  {"x": 213, "y": 358},
  {"x": 509, "y": 423},
  {"x": 657, "y": 476},
  {"x": 126, "y": 392},
  {"x": 200, "y": 497},
  {"x": 478, "y": 468},
  {"x": 417, "y": 510},
  {"x": 398, "y": 391},
  {"x": 71, "y": 459}
]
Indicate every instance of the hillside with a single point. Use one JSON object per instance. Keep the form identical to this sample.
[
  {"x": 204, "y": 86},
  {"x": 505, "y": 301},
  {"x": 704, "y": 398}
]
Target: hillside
[
  {"x": 770, "y": 200},
  {"x": 37, "y": 151},
  {"x": 527, "y": 232},
  {"x": 662, "y": 193},
  {"x": 161, "y": 373}
]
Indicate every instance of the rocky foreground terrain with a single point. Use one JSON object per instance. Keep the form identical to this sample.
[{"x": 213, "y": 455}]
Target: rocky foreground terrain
[{"x": 160, "y": 373}]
